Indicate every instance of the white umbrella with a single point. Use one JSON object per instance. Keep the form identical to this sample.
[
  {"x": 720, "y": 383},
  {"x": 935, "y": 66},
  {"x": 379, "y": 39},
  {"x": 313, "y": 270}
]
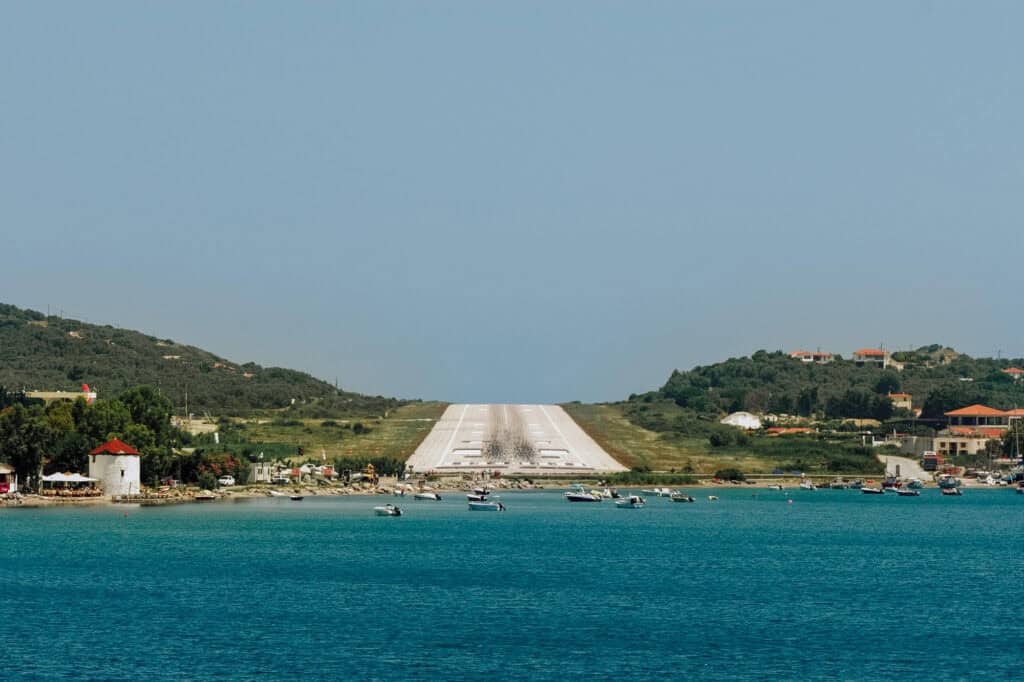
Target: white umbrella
[{"x": 56, "y": 478}]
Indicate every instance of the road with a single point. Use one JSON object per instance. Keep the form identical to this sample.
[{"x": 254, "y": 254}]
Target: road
[
  {"x": 909, "y": 468},
  {"x": 511, "y": 438}
]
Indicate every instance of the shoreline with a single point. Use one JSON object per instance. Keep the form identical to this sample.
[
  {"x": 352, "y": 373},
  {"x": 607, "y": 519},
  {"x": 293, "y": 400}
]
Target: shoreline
[{"x": 443, "y": 487}]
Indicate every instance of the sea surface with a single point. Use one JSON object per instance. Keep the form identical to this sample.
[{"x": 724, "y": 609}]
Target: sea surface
[{"x": 759, "y": 585}]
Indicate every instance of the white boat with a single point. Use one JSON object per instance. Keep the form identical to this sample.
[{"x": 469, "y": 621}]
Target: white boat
[
  {"x": 631, "y": 502},
  {"x": 482, "y": 491},
  {"x": 277, "y": 493},
  {"x": 658, "y": 492},
  {"x": 473, "y": 497},
  {"x": 387, "y": 510},
  {"x": 579, "y": 494},
  {"x": 427, "y": 496},
  {"x": 712, "y": 498},
  {"x": 807, "y": 485},
  {"x": 486, "y": 506},
  {"x": 775, "y": 486},
  {"x": 681, "y": 497},
  {"x": 867, "y": 490}
]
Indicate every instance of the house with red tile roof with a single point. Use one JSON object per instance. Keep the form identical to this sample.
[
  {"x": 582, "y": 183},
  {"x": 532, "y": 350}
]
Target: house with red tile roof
[
  {"x": 1015, "y": 372},
  {"x": 875, "y": 357}
]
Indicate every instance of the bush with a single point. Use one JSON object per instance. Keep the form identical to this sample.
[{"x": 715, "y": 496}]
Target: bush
[{"x": 730, "y": 475}]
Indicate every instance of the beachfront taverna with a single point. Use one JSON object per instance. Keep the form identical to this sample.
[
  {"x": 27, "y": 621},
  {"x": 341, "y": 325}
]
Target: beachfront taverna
[{"x": 116, "y": 465}]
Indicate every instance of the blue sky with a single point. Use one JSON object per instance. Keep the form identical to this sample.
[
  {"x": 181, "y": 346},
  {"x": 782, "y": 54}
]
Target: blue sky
[{"x": 516, "y": 202}]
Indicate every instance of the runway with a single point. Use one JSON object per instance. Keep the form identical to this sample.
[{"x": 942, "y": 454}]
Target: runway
[{"x": 540, "y": 439}]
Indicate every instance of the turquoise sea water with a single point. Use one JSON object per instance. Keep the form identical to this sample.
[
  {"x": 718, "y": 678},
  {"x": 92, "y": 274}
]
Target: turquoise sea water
[{"x": 835, "y": 585}]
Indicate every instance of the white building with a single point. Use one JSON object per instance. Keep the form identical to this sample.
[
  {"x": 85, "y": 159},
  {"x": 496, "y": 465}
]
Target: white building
[
  {"x": 116, "y": 466},
  {"x": 8, "y": 479}
]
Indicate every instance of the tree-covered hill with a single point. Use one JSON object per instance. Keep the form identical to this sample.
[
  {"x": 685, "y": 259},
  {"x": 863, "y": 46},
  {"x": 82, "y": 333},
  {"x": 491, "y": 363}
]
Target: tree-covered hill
[
  {"x": 52, "y": 353},
  {"x": 938, "y": 378}
]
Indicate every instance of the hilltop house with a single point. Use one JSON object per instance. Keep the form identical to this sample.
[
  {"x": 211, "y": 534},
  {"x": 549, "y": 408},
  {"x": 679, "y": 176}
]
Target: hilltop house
[
  {"x": 875, "y": 357},
  {"x": 1016, "y": 373},
  {"x": 816, "y": 357},
  {"x": 117, "y": 466}
]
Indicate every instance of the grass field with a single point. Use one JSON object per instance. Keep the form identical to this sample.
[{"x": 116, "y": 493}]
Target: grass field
[
  {"x": 636, "y": 447},
  {"x": 396, "y": 436}
]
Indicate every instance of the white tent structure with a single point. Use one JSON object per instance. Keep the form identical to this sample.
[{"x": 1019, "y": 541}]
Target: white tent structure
[
  {"x": 743, "y": 420},
  {"x": 64, "y": 482}
]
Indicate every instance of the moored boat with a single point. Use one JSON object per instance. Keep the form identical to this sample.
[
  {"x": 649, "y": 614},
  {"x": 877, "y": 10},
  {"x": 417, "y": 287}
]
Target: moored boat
[
  {"x": 908, "y": 492},
  {"x": 486, "y": 506},
  {"x": 872, "y": 491},
  {"x": 295, "y": 498},
  {"x": 473, "y": 497},
  {"x": 427, "y": 496},
  {"x": 807, "y": 485},
  {"x": 578, "y": 494},
  {"x": 387, "y": 510},
  {"x": 681, "y": 497},
  {"x": 631, "y": 502},
  {"x": 915, "y": 484},
  {"x": 952, "y": 492}
]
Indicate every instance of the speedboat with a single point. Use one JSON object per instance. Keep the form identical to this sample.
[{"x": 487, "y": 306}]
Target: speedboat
[
  {"x": 681, "y": 497},
  {"x": 387, "y": 510},
  {"x": 775, "y": 486},
  {"x": 872, "y": 491},
  {"x": 427, "y": 496},
  {"x": 486, "y": 506},
  {"x": 807, "y": 485},
  {"x": 631, "y": 502},
  {"x": 579, "y": 494},
  {"x": 712, "y": 498},
  {"x": 295, "y": 498},
  {"x": 482, "y": 491},
  {"x": 473, "y": 497},
  {"x": 915, "y": 484},
  {"x": 908, "y": 492},
  {"x": 947, "y": 482},
  {"x": 953, "y": 492}
]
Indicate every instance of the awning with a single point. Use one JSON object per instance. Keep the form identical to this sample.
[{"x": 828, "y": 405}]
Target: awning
[{"x": 67, "y": 478}]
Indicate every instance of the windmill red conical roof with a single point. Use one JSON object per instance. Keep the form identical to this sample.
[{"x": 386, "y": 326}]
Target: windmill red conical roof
[{"x": 114, "y": 447}]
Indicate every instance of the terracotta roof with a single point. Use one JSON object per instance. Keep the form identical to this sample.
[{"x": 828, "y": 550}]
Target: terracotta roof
[
  {"x": 1014, "y": 370},
  {"x": 976, "y": 411},
  {"x": 1015, "y": 413},
  {"x": 114, "y": 447},
  {"x": 869, "y": 351},
  {"x": 978, "y": 433},
  {"x": 901, "y": 395}
]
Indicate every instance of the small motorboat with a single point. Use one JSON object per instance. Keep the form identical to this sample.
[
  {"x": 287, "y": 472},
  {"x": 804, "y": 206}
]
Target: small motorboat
[
  {"x": 915, "y": 484},
  {"x": 486, "y": 506},
  {"x": 427, "y": 496},
  {"x": 579, "y": 494},
  {"x": 204, "y": 496},
  {"x": 482, "y": 491},
  {"x": 952, "y": 492},
  {"x": 712, "y": 498},
  {"x": 631, "y": 502},
  {"x": 473, "y": 497},
  {"x": 908, "y": 492},
  {"x": 295, "y": 498},
  {"x": 277, "y": 493},
  {"x": 872, "y": 491},
  {"x": 387, "y": 510},
  {"x": 807, "y": 485},
  {"x": 681, "y": 497},
  {"x": 775, "y": 486},
  {"x": 615, "y": 493}
]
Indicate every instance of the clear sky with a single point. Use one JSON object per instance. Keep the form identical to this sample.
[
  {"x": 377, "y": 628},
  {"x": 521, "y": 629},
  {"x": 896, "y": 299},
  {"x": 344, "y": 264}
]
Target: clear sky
[{"x": 516, "y": 202}]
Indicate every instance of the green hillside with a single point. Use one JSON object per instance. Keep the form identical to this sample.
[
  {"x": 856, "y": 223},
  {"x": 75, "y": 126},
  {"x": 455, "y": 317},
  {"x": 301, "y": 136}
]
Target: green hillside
[{"x": 52, "y": 353}]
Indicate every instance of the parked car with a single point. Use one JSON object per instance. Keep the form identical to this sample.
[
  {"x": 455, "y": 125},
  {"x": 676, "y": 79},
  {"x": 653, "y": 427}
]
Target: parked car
[{"x": 226, "y": 480}]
